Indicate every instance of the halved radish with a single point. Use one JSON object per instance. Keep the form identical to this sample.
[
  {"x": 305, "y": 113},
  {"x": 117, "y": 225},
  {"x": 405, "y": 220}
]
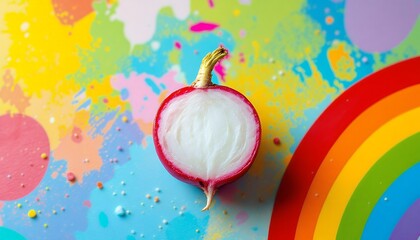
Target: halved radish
[{"x": 206, "y": 134}]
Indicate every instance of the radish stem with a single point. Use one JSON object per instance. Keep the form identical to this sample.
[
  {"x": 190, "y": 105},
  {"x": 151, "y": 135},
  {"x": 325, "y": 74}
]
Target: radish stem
[
  {"x": 209, "y": 191},
  {"x": 203, "y": 78}
]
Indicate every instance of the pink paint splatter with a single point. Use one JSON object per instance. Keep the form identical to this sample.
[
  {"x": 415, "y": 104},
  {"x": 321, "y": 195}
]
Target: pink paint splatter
[
  {"x": 211, "y": 3},
  {"x": 22, "y": 142},
  {"x": 87, "y": 203},
  {"x": 177, "y": 45},
  {"x": 220, "y": 70},
  {"x": 144, "y": 101},
  {"x": 76, "y": 135},
  {"x": 203, "y": 27},
  {"x": 241, "y": 217},
  {"x": 242, "y": 33},
  {"x": 241, "y": 57}
]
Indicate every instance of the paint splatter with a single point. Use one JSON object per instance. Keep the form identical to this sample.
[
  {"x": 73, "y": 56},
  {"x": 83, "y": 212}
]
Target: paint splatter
[
  {"x": 203, "y": 27},
  {"x": 69, "y": 12},
  {"x": 139, "y": 17},
  {"x": 23, "y": 140}
]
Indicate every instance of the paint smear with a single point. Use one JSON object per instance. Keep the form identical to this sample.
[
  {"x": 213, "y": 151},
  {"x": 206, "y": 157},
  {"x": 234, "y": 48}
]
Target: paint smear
[{"x": 203, "y": 27}]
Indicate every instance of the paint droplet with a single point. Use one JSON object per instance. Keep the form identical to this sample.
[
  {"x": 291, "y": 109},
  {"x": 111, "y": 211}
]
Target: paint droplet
[
  {"x": 276, "y": 141},
  {"x": 22, "y": 185},
  {"x": 130, "y": 142},
  {"x": 71, "y": 177},
  {"x": 155, "y": 45},
  {"x": 24, "y": 26},
  {"x": 54, "y": 212},
  {"x": 122, "y": 183},
  {"x": 123, "y": 193},
  {"x": 47, "y": 188},
  {"x": 177, "y": 45},
  {"x": 44, "y": 156},
  {"x": 19, "y": 205},
  {"x": 45, "y": 225},
  {"x": 365, "y": 60},
  {"x": 274, "y": 77},
  {"x": 281, "y": 72},
  {"x": 9, "y": 176},
  {"x": 271, "y": 60},
  {"x": 99, "y": 185},
  {"x": 52, "y": 120},
  {"x": 148, "y": 196},
  {"x": 225, "y": 212},
  {"x": 119, "y": 148},
  {"x": 197, "y": 230},
  {"x": 160, "y": 227},
  {"x": 133, "y": 232},
  {"x": 125, "y": 119},
  {"x": 32, "y": 213},
  {"x": 119, "y": 211},
  {"x": 385, "y": 199},
  {"x": 164, "y": 221},
  {"x": 156, "y": 199},
  {"x": 128, "y": 212},
  {"x": 329, "y": 20},
  {"x": 157, "y": 189}
]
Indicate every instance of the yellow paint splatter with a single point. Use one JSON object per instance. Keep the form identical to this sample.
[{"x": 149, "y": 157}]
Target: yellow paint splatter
[
  {"x": 41, "y": 57},
  {"x": 341, "y": 63}
]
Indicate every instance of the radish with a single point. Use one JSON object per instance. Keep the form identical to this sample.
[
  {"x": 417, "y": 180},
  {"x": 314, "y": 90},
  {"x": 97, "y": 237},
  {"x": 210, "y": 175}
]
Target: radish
[{"x": 206, "y": 134}]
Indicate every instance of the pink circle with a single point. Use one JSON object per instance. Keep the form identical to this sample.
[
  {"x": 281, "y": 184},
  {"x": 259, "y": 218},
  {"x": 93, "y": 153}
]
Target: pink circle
[{"x": 22, "y": 142}]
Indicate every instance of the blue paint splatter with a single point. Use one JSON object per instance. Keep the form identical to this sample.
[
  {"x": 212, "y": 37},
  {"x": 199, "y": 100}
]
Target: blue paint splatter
[
  {"x": 103, "y": 219},
  {"x": 84, "y": 105},
  {"x": 153, "y": 86},
  {"x": 124, "y": 94}
]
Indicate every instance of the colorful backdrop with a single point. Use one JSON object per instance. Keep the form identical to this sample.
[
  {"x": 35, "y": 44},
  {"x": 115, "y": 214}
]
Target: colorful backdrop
[{"x": 80, "y": 82}]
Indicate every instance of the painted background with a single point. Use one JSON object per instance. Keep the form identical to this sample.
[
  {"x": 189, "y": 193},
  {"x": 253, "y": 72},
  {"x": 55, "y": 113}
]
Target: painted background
[{"x": 72, "y": 72}]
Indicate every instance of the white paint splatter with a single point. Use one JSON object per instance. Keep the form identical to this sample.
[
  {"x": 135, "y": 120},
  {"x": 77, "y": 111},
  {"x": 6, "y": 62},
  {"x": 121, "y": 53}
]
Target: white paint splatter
[
  {"x": 139, "y": 16},
  {"x": 155, "y": 45}
]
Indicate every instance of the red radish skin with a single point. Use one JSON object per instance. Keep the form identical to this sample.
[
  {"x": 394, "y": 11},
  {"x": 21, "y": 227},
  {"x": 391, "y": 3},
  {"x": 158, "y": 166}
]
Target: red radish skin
[{"x": 203, "y": 83}]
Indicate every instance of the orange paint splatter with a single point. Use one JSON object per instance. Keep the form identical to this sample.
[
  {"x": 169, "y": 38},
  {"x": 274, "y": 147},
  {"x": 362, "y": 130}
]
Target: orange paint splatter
[
  {"x": 12, "y": 93},
  {"x": 86, "y": 149},
  {"x": 69, "y": 12}
]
